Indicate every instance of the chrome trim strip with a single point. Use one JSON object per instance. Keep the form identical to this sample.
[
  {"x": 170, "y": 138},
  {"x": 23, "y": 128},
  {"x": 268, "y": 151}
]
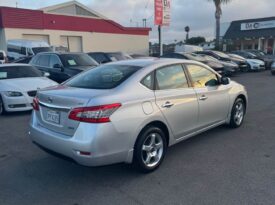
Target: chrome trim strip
[{"x": 54, "y": 106}]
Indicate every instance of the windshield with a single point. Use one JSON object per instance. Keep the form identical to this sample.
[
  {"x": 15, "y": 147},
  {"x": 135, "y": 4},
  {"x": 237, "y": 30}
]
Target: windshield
[
  {"x": 103, "y": 77},
  {"x": 210, "y": 58},
  {"x": 41, "y": 50},
  {"x": 10, "y": 72},
  {"x": 120, "y": 56},
  {"x": 222, "y": 55},
  {"x": 77, "y": 59},
  {"x": 193, "y": 56}
]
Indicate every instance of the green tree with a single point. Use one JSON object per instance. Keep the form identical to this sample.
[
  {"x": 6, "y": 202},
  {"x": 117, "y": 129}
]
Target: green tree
[
  {"x": 195, "y": 40},
  {"x": 218, "y": 14}
]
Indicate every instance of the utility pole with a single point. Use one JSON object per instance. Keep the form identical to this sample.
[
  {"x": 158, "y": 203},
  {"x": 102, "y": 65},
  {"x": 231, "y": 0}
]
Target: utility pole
[
  {"x": 160, "y": 42},
  {"x": 16, "y": 4},
  {"x": 144, "y": 22}
]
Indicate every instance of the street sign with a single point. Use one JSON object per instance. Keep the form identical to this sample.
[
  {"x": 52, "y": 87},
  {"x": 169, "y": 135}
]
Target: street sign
[{"x": 162, "y": 12}]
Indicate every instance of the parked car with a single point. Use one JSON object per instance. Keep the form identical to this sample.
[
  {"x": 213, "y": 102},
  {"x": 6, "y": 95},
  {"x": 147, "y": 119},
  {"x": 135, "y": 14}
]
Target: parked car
[
  {"x": 222, "y": 57},
  {"x": 96, "y": 119},
  {"x": 140, "y": 56},
  {"x": 268, "y": 59},
  {"x": 240, "y": 61},
  {"x": 192, "y": 56},
  {"x": 253, "y": 64},
  {"x": 229, "y": 68},
  {"x": 273, "y": 68},
  {"x": 18, "y": 85},
  {"x": 102, "y": 58},
  {"x": 62, "y": 66},
  {"x": 245, "y": 54},
  {"x": 21, "y": 48},
  {"x": 3, "y": 57},
  {"x": 25, "y": 60}
]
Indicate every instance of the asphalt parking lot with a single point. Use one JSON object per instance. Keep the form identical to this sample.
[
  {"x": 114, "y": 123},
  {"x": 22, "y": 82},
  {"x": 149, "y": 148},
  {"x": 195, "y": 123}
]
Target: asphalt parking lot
[{"x": 221, "y": 166}]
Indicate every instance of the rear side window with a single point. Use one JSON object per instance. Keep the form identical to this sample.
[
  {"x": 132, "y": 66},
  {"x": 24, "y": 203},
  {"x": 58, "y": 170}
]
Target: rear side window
[
  {"x": 202, "y": 77},
  {"x": 42, "y": 60},
  {"x": 148, "y": 81},
  {"x": 171, "y": 77},
  {"x": 103, "y": 77}
]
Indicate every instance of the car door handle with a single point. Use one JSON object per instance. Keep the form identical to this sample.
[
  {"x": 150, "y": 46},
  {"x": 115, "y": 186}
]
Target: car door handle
[
  {"x": 203, "y": 97},
  {"x": 167, "y": 105}
]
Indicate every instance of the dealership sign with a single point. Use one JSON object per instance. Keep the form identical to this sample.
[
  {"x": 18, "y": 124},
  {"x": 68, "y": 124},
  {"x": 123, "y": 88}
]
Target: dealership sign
[
  {"x": 162, "y": 12},
  {"x": 257, "y": 25}
]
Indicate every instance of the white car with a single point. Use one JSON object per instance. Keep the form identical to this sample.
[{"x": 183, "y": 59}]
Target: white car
[
  {"x": 18, "y": 85},
  {"x": 255, "y": 64}
]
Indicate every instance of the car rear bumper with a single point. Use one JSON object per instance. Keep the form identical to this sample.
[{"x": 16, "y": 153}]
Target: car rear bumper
[{"x": 102, "y": 144}]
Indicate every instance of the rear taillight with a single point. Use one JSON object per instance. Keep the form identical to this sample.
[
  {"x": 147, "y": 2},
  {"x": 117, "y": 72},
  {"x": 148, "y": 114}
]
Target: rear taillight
[
  {"x": 35, "y": 104},
  {"x": 95, "y": 114}
]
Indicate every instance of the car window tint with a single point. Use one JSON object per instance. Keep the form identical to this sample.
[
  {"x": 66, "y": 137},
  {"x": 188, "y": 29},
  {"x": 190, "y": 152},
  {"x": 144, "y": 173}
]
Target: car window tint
[
  {"x": 148, "y": 81},
  {"x": 103, "y": 77},
  {"x": 11, "y": 72},
  {"x": 54, "y": 60},
  {"x": 2, "y": 57},
  {"x": 171, "y": 77},
  {"x": 43, "y": 60},
  {"x": 201, "y": 76}
]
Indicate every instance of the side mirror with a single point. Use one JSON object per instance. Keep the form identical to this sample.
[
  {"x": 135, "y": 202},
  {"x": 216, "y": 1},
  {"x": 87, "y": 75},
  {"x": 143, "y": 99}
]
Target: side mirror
[
  {"x": 46, "y": 74},
  {"x": 58, "y": 66},
  {"x": 224, "y": 80}
]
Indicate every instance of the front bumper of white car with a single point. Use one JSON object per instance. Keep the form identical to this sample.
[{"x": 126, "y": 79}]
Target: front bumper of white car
[{"x": 16, "y": 104}]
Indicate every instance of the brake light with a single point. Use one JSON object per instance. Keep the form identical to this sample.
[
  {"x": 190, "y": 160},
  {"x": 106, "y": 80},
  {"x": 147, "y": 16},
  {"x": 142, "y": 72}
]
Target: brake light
[
  {"x": 95, "y": 114},
  {"x": 35, "y": 104}
]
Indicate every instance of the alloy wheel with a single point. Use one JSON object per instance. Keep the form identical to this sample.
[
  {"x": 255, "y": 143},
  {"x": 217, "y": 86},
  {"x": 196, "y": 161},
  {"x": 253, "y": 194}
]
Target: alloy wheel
[
  {"x": 152, "y": 150},
  {"x": 239, "y": 113}
]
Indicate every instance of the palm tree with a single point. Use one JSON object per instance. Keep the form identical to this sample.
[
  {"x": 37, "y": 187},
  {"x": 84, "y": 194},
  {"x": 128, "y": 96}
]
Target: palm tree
[{"x": 218, "y": 13}]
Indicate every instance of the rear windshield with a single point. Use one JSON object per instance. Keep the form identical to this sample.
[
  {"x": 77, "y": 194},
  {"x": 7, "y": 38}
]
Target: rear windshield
[
  {"x": 103, "y": 77},
  {"x": 74, "y": 60},
  {"x": 11, "y": 72},
  {"x": 41, "y": 50}
]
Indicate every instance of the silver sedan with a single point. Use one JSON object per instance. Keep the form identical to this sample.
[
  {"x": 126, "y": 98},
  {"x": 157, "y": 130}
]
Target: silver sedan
[{"x": 131, "y": 111}]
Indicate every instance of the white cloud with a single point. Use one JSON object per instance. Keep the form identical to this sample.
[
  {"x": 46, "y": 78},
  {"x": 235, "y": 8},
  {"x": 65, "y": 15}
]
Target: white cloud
[{"x": 198, "y": 14}]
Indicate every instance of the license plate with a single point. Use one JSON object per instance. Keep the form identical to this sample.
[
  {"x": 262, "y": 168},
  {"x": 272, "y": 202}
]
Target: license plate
[{"x": 53, "y": 116}]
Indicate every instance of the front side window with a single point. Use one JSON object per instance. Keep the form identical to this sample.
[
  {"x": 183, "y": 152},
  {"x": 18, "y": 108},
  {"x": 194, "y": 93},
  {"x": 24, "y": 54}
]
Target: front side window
[
  {"x": 54, "y": 60},
  {"x": 171, "y": 77},
  {"x": 103, "y": 77},
  {"x": 202, "y": 77}
]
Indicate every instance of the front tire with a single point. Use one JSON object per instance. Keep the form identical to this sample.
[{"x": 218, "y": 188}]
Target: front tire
[
  {"x": 150, "y": 149},
  {"x": 237, "y": 113}
]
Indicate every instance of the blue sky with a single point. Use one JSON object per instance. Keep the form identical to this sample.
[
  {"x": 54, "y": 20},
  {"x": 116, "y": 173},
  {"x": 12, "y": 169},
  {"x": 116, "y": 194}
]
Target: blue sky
[{"x": 198, "y": 14}]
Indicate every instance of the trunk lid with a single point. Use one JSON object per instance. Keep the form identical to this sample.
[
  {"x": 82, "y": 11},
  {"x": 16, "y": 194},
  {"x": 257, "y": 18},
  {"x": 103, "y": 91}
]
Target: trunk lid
[{"x": 55, "y": 106}]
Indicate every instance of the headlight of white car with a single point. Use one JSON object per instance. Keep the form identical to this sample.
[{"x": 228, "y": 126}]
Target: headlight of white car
[{"x": 13, "y": 94}]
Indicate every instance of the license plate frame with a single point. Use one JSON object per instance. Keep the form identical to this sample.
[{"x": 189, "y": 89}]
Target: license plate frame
[{"x": 53, "y": 117}]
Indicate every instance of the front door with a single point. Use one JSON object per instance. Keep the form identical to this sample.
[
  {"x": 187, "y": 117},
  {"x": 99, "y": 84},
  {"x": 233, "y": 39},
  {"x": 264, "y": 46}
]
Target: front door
[
  {"x": 213, "y": 98},
  {"x": 176, "y": 100}
]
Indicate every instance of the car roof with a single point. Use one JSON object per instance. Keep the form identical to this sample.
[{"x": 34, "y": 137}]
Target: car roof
[
  {"x": 149, "y": 62},
  {"x": 14, "y": 64},
  {"x": 60, "y": 53}
]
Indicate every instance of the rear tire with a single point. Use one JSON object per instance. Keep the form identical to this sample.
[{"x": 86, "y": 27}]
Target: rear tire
[
  {"x": 150, "y": 149},
  {"x": 2, "y": 108},
  {"x": 237, "y": 113},
  {"x": 273, "y": 73}
]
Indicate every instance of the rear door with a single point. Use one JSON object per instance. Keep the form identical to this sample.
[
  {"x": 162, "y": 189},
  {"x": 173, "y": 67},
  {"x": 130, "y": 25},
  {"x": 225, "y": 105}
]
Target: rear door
[
  {"x": 176, "y": 99},
  {"x": 213, "y": 98}
]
